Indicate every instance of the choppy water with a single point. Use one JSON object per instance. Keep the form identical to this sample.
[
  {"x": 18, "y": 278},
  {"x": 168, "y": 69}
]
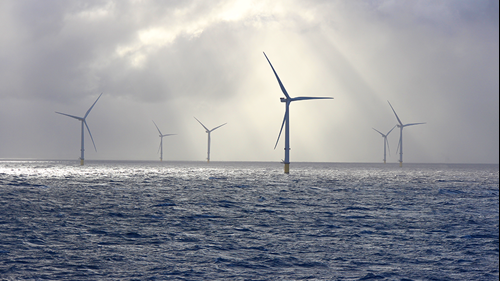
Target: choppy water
[{"x": 248, "y": 221}]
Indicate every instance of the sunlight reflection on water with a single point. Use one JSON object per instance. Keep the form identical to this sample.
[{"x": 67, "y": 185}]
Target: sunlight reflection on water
[{"x": 193, "y": 220}]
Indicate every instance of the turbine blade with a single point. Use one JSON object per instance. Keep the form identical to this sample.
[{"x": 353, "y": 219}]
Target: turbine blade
[
  {"x": 88, "y": 111},
  {"x": 201, "y": 124},
  {"x": 282, "y": 124},
  {"x": 157, "y": 127},
  {"x": 85, "y": 122},
  {"x": 379, "y": 132},
  {"x": 217, "y": 127},
  {"x": 72, "y": 116},
  {"x": 311, "y": 98},
  {"x": 388, "y": 148},
  {"x": 399, "y": 142},
  {"x": 279, "y": 81},
  {"x": 400, "y": 123},
  {"x": 159, "y": 146},
  {"x": 411, "y": 124},
  {"x": 390, "y": 130},
  {"x": 166, "y": 135}
]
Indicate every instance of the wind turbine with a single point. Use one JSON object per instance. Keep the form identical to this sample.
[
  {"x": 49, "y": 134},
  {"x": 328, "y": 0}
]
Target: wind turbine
[
  {"x": 82, "y": 119},
  {"x": 208, "y": 132},
  {"x": 286, "y": 119},
  {"x": 401, "y": 126},
  {"x": 386, "y": 143},
  {"x": 161, "y": 140}
]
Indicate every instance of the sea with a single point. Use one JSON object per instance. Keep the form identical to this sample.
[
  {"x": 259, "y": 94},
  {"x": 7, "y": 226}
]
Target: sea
[{"x": 139, "y": 220}]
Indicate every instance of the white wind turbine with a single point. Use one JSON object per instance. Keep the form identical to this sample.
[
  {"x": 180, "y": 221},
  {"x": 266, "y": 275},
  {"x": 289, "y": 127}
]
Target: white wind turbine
[
  {"x": 286, "y": 119},
  {"x": 208, "y": 132},
  {"x": 161, "y": 140},
  {"x": 83, "y": 120},
  {"x": 386, "y": 143},
  {"x": 401, "y": 126}
]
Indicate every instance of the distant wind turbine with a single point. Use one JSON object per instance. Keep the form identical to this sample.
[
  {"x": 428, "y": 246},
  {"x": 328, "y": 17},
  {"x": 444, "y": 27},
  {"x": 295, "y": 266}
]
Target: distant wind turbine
[
  {"x": 286, "y": 119},
  {"x": 386, "y": 143},
  {"x": 401, "y": 126},
  {"x": 208, "y": 132},
  {"x": 83, "y": 120},
  {"x": 161, "y": 140}
]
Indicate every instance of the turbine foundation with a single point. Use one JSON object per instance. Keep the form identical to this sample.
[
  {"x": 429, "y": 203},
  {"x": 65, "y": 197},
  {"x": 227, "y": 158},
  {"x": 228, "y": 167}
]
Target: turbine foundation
[
  {"x": 81, "y": 162},
  {"x": 287, "y": 168}
]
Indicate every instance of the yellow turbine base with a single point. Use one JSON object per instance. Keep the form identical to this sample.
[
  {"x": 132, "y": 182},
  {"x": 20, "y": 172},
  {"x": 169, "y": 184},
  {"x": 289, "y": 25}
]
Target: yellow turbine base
[
  {"x": 384, "y": 161},
  {"x": 400, "y": 164},
  {"x": 81, "y": 162},
  {"x": 287, "y": 168}
]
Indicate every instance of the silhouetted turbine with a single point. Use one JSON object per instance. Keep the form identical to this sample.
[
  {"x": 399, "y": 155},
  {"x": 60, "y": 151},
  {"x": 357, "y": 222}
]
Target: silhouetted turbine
[
  {"x": 83, "y": 120},
  {"x": 208, "y": 132},
  {"x": 400, "y": 125},
  {"x": 286, "y": 120}
]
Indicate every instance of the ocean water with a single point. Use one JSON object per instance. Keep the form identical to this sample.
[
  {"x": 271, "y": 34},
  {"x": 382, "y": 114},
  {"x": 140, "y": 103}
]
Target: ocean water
[{"x": 247, "y": 221}]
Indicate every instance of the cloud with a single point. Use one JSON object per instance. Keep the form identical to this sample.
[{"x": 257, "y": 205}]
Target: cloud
[{"x": 437, "y": 62}]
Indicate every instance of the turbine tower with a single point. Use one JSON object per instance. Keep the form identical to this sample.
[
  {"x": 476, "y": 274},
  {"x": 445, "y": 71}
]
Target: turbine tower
[
  {"x": 401, "y": 126},
  {"x": 83, "y": 120},
  {"x": 286, "y": 119},
  {"x": 386, "y": 143},
  {"x": 208, "y": 132},
  {"x": 161, "y": 140}
]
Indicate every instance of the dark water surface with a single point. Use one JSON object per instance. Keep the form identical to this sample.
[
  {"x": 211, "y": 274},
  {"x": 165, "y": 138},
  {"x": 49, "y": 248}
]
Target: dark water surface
[{"x": 247, "y": 221}]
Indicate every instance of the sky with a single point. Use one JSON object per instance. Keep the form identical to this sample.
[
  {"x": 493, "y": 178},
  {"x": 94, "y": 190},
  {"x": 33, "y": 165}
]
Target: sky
[{"x": 170, "y": 61}]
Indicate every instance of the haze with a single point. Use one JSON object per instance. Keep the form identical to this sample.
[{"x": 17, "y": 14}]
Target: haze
[{"x": 169, "y": 61}]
